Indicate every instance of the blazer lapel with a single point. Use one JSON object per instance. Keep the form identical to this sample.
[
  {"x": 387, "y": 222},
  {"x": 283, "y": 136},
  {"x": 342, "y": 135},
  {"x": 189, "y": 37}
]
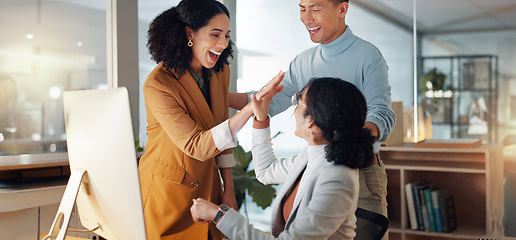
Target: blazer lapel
[
  {"x": 303, "y": 187},
  {"x": 192, "y": 89},
  {"x": 217, "y": 95},
  {"x": 300, "y": 164}
]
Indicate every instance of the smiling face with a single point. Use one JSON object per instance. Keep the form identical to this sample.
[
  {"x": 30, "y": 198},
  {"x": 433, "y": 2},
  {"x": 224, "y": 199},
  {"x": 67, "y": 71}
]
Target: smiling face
[
  {"x": 323, "y": 19},
  {"x": 209, "y": 42}
]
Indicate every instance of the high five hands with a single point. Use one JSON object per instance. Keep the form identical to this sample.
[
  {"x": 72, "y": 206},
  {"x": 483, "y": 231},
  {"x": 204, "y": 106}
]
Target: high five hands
[
  {"x": 204, "y": 211},
  {"x": 261, "y": 101}
]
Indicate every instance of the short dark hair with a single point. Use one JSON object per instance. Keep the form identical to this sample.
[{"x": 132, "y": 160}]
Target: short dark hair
[
  {"x": 167, "y": 41},
  {"x": 338, "y": 1},
  {"x": 339, "y": 109}
]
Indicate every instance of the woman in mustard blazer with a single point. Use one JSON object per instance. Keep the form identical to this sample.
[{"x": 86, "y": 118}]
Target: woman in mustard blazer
[{"x": 186, "y": 98}]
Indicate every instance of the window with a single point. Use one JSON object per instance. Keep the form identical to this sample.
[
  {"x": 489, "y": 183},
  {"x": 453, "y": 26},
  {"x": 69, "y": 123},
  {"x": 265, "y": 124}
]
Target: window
[{"x": 46, "y": 47}]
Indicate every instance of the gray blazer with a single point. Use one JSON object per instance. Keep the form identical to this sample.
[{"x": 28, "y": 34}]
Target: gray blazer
[{"x": 325, "y": 202}]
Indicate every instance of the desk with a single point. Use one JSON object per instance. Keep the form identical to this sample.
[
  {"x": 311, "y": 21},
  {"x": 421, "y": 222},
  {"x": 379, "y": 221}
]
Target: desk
[
  {"x": 14, "y": 199},
  {"x": 42, "y": 235},
  {"x": 33, "y": 161},
  {"x": 25, "y": 208}
]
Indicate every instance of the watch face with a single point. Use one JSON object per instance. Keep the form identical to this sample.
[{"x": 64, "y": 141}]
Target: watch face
[{"x": 224, "y": 207}]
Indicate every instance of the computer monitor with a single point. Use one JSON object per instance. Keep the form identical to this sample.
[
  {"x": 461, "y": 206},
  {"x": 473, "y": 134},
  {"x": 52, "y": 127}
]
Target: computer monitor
[{"x": 104, "y": 177}]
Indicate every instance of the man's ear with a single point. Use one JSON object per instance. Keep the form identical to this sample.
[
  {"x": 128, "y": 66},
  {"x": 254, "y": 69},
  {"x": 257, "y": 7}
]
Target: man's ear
[{"x": 343, "y": 9}]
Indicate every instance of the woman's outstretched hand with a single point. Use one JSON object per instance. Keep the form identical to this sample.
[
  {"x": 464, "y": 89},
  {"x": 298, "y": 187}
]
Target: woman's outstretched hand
[
  {"x": 262, "y": 100},
  {"x": 271, "y": 86}
]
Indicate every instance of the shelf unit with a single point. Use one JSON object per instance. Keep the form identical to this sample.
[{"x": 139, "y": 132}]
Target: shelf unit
[
  {"x": 474, "y": 176},
  {"x": 469, "y": 80}
]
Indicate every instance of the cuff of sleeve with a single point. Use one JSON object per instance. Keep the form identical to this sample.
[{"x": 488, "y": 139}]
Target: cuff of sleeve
[
  {"x": 222, "y": 136},
  {"x": 377, "y": 122},
  {"x": 261, "y": 124},
  {"x": 225, "y": 161},
  {"x": 226, "y": 224}
]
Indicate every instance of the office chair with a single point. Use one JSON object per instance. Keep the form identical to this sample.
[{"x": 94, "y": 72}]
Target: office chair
[
  {"x": 370, "y": 225},
  {"x": 509, "y": 199}
]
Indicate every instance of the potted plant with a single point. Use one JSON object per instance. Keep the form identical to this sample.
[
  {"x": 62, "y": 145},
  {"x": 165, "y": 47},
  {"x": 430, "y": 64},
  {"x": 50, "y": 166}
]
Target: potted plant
[
  {"x": 245, "y": 181},
  {"x": 437, "y": 98}
]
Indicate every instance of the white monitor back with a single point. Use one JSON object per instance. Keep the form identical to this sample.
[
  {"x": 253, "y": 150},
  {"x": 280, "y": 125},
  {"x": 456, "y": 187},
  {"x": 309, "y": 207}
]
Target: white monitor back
[{"x": 100, "y": 141}]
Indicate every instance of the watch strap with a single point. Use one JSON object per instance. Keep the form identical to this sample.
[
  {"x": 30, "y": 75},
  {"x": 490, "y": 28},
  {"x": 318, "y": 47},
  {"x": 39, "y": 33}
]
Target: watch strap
[{"x": 222, "y": 210}]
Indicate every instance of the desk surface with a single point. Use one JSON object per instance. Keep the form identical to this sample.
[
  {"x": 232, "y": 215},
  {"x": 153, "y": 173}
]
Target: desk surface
[
  {"x": 42, "y": 235},
  {"x": 33, "y": 161}
]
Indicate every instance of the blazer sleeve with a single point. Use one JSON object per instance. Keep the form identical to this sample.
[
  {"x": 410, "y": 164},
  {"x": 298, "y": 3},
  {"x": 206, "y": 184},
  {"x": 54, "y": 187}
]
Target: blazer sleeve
[
  {"x": 268, "y": 168},
  {"x": 168, "y": 108}
]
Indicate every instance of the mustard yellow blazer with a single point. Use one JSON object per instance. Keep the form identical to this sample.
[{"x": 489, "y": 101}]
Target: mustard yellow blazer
[{"x": 179, "y": 161}]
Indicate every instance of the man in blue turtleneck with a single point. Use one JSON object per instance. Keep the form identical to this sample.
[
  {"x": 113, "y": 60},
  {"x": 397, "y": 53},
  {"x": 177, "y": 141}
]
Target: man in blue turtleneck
[{"x": 343, "y": 55}]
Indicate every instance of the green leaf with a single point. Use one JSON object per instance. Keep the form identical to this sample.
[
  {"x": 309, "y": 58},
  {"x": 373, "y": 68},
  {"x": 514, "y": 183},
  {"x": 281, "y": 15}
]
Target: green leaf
[
  {"x": 244, "y": 180},
  {"x": 242, "y": 157},
  {"x": 277, "y": 134},
  {"x": 262, "y": 194},
  {"x": 241, "y": 182},
  {"x": 251, "y": 173}
]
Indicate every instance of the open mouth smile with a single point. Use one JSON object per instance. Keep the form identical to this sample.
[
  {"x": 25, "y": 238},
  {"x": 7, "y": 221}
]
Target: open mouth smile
[
  {"x": 214, "y": 56},
  {"x": 313, "y": 30}
]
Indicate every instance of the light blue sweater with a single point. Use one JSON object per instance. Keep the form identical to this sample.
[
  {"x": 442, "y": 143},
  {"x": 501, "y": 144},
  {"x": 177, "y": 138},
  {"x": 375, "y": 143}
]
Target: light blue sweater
[{"x": 349, "y": 58}]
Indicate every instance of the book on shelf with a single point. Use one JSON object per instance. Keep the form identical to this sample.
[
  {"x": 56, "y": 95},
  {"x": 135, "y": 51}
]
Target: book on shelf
[
  {"x": 410, "y": 206},
  {"x": 448, "y": 214},
  {"x": 417, "y": 206},
  {"x": 422, "y": 206},
  {"x": 437, "y": 211},
  {"x": 430, "y": 208}
]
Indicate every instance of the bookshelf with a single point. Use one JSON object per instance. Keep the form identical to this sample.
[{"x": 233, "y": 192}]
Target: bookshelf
[
  {"x": 474, "y": 176},
  {"x": 466, "y": 106}
]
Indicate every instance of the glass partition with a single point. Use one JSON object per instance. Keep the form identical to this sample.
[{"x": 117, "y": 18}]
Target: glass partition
[
  {"x": 46, "y": 47},
  {"x": 476, "y": 54}
]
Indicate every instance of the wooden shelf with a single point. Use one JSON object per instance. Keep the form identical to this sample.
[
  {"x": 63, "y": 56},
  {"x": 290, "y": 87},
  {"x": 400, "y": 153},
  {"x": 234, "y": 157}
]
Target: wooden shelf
[{"x": 473, "y": 175}]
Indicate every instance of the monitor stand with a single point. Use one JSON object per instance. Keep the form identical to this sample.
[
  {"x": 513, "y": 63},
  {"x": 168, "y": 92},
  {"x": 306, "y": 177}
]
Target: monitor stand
[{"x": 62, "y": 219}]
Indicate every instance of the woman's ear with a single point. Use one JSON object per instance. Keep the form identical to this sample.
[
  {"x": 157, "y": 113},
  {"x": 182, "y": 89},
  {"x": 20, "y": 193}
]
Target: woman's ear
[
  {"x": 310, "y": 122},
  {"x": 189, "y": 33}
]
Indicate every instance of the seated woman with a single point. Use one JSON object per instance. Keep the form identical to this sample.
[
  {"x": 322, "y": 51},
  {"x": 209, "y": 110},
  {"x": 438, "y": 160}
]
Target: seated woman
[{"x": 320, "y": 184}]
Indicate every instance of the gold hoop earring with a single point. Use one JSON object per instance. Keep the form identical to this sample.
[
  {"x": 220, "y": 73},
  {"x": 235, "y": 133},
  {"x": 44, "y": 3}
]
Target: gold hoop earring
[{"x": 190, "y": 43}]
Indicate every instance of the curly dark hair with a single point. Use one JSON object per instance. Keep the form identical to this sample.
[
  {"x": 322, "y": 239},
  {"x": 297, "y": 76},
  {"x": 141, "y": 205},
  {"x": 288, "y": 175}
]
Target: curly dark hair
[
  {"x": 339, "y": 109},
  {"x": 167, "y": 41}
]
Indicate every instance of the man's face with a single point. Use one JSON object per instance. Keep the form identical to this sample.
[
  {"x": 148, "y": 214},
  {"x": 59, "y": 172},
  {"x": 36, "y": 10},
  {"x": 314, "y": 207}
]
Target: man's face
[{"x": 323, "y": 19}]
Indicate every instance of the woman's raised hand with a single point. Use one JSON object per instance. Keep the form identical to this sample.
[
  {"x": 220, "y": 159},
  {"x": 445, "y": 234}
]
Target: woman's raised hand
[
  {"x": 262, "y": 100},
  {"x": 271, "y": 86}
]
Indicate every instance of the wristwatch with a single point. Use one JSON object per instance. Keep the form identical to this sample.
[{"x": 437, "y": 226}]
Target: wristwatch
[{"x": 223, "y": 208}]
